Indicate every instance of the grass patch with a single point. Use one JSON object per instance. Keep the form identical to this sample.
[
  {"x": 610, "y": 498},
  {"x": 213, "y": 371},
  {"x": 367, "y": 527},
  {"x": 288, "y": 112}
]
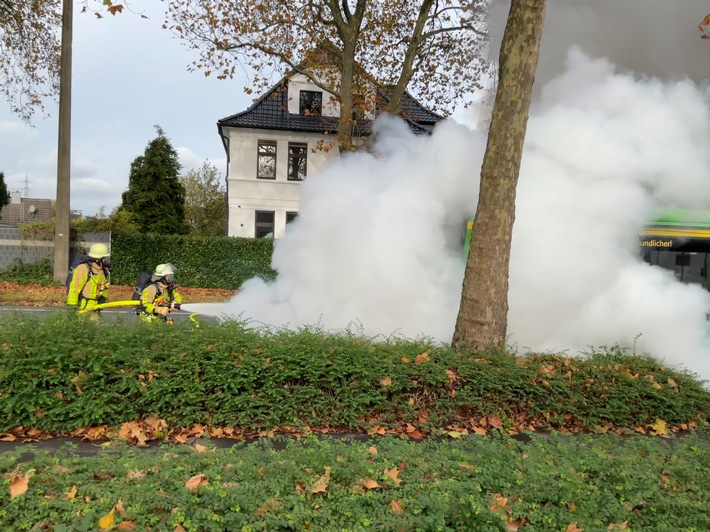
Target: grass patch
[
  {"x": 65, "y": 373},
  {"x": 497, "y": 484}
]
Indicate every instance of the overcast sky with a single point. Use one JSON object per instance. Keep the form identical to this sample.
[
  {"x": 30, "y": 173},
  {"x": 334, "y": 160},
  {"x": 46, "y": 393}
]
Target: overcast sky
[{"x": 128, "y": 75}]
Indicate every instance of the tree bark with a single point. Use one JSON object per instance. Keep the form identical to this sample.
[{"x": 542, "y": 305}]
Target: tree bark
[
  {"x": 346, "y": 122},
  {"x": 483, "y": 313}
]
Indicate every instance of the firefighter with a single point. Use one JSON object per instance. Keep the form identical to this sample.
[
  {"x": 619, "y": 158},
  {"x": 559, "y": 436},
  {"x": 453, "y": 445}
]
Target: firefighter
[
  {"x": 90, "y": 279},
  {"x": 160, "y": 296}
]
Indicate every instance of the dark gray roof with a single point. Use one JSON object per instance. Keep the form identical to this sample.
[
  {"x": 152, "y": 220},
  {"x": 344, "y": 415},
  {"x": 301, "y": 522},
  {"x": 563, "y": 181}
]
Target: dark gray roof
[
  {"x": 270, "y": 111},
  {"x": 412, "y": 110},
  {"x": 14, "y": 214}
]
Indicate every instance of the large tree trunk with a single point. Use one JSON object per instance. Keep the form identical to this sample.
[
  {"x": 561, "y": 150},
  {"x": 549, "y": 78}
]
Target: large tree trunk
[
  {"x": 483, "y": 313},
  {"x": 346, "y": 123}
]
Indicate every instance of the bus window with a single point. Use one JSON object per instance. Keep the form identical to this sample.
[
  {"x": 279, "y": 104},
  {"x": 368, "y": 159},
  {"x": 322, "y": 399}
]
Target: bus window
[{"x": 688, "y": 267}]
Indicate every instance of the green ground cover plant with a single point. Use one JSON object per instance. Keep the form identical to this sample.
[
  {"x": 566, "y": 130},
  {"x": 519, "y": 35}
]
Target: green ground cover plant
[
  {"x": 39, "y": 272},
  {"x": 476, "y": 483},
  {"x": 65, "y": 373}
]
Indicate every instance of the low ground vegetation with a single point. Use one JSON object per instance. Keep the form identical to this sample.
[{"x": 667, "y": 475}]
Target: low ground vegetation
[
  {"x": 494, "y": 483},
  {"x": 64, "y": 374},
  {"x": 455, "y": 441}
]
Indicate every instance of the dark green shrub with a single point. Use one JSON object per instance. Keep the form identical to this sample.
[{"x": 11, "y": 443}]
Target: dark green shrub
[
  {"x": 74, "y": 372},
  {"x": 202, "y": 262},
  {"x": 30, "y": 272}
]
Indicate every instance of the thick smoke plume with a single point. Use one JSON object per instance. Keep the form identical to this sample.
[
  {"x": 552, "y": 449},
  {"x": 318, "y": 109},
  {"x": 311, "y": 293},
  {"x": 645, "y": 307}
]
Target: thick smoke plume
[{"x": 616, "y": 131}]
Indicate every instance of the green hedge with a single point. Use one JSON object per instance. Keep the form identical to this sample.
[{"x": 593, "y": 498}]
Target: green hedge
[
  {"x": 201, "y": 262},
  {"x": 64, "y": 372}
]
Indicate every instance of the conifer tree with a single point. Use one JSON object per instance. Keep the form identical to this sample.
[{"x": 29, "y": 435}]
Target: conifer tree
[
  {"x": 155, "y": 197},
  {"x": 4, "y": 196}
]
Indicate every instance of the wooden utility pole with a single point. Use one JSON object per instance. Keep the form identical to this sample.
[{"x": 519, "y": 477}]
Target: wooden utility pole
[{"x": 62, "y": 235}]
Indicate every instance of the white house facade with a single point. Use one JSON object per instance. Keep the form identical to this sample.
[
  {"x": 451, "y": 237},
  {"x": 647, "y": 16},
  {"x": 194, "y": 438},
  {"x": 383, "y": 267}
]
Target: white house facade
[{"x": 276, "y": 143}]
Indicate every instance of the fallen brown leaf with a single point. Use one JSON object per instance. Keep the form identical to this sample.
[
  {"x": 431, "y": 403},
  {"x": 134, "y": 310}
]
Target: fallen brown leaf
[
  {"x": 196, "y": 482},
  {"x": 18, "y": 485},
  {"x": 369, "y": 484},
  {"x": 393, "y": 474}
]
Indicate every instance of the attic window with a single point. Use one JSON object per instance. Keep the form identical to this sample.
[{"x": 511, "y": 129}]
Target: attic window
[{"x": 311, "y": 103}]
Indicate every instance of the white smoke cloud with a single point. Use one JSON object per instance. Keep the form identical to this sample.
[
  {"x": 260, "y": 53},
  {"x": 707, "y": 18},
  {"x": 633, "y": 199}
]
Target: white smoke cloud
[
  {"x": 604, "y": 149},
  {"x": 378, "y": 237}
]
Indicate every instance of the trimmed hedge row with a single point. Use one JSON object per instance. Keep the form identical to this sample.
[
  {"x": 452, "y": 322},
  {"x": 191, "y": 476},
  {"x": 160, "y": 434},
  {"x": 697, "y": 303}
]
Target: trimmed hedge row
[
  {"x": 65, "y": 372},
  {"x": 202, "y": 262}
]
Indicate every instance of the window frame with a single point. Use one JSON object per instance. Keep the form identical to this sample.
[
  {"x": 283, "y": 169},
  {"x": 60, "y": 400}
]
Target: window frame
[
  {"x": 262, "y": 225},
  {"x": 292, "y": 158},
  {"x": 304, "y": 106},
  {"x": 260, "y": 154}
]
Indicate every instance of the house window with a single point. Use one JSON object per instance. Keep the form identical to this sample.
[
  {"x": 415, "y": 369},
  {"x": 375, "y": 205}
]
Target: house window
[
  {"x": 266, "y": 160},
  {"x": 264, "y": 226},
  {"x": 290, "y": 217},
  {"x": 297, "y": 154},
  {"x": 311, "y": 103}
]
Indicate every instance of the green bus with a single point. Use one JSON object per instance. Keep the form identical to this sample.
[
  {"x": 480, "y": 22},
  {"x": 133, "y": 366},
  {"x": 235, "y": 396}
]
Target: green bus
[{"x": 678, "y": 240}]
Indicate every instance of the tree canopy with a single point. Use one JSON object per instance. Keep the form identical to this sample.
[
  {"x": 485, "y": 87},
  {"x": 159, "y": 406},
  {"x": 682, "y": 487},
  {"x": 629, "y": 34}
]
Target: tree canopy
[
  {"x": 205, "y": 201},
  {"x": 30, "y": 32},
  {"x": 4, "y": 196},
  {"x": 703, "y": 27},
  {"x": 155, "y": 197},
  {"x": 119, "y": 221},
  {"x": 29, "y": 53},
  {"x": 433, "y": 48}
]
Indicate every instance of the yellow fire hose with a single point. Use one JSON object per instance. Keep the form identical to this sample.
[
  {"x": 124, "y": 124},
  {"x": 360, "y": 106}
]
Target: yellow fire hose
[
  {"x": 110, "y": 305},
  {"x": 131, "y": 303}
]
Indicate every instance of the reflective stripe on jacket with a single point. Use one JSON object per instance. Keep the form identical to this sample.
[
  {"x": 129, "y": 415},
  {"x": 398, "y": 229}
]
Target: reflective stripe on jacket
[
  {"x": 158, "y": 295},
  {"x": 89, "y": 282}
]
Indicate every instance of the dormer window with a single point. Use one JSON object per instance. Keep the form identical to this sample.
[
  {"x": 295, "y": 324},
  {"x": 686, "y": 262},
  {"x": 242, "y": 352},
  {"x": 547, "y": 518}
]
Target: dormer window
[{"x": 310, "y": 103}]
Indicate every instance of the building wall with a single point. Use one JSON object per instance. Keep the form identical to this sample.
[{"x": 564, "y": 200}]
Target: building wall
[
  {"x": 331, "y": 107},
  {"x": 247, "y": 194},
  {"x": 14, "y": 249},
  {"x": 299, "y": 83}
]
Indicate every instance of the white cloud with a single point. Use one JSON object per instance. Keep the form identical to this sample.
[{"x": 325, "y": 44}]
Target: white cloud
[{"x": 190, "y": 160}]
